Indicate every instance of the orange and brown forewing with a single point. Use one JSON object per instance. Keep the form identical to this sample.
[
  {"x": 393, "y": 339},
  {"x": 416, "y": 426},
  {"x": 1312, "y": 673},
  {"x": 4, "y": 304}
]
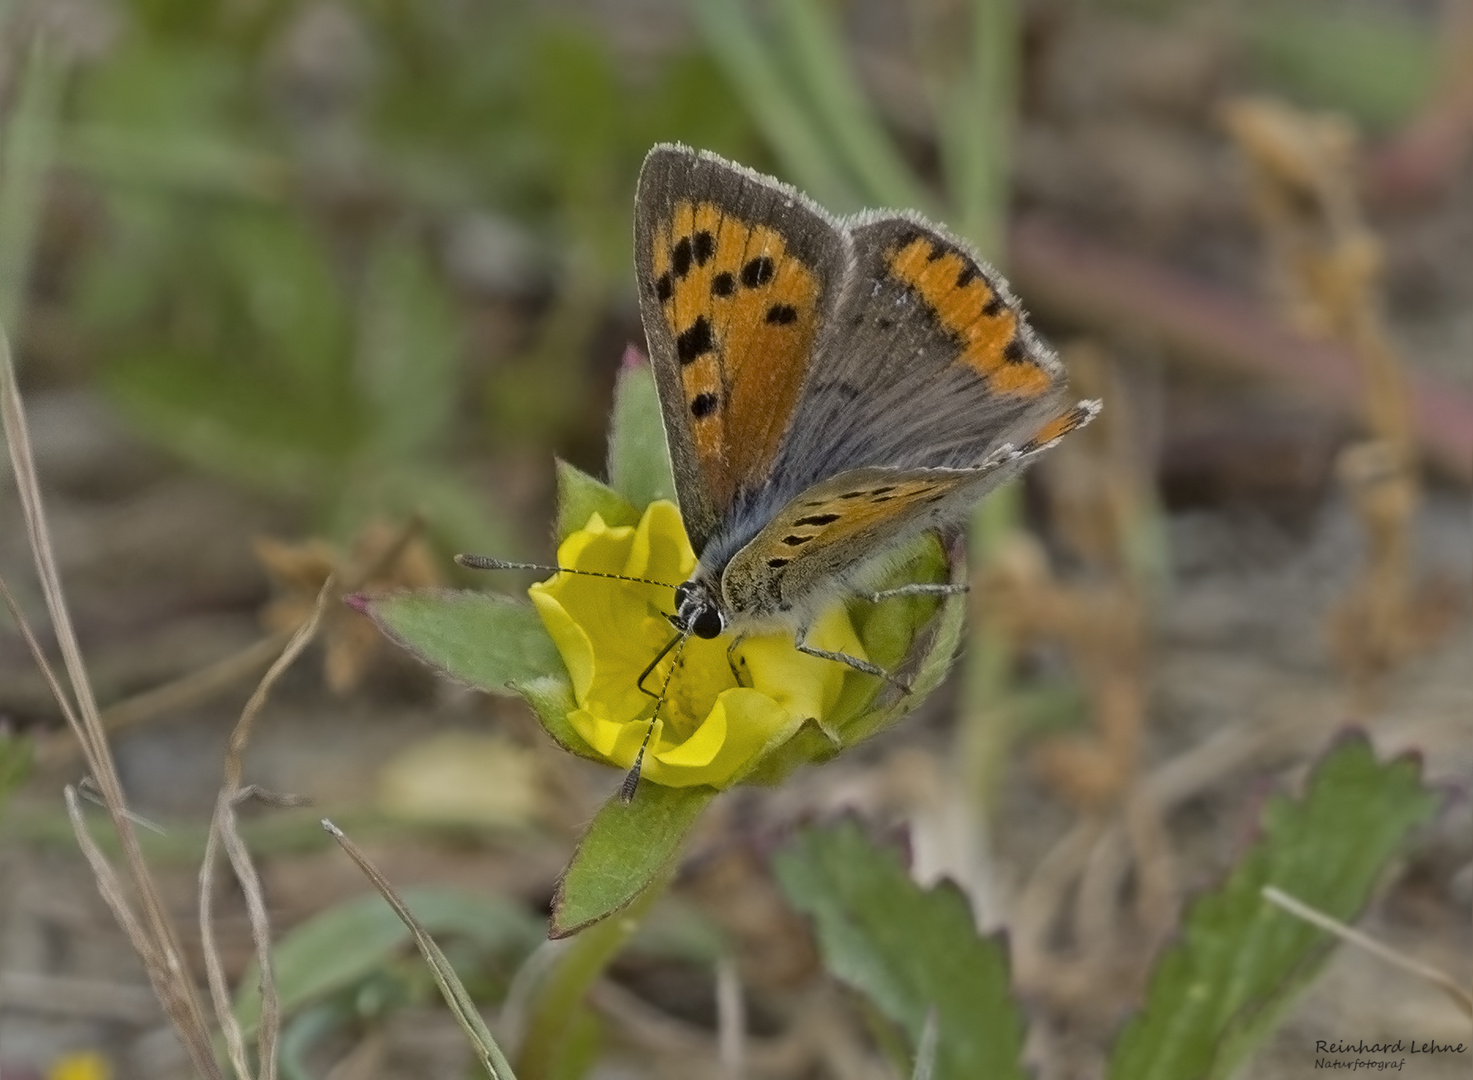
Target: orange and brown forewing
[
  {"x": 743, "y": 311},
  {"x": 738, "y": 275}
]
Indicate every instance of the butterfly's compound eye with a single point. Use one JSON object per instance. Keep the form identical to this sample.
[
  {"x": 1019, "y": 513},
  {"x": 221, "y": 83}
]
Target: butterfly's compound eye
[
  {"x": 708, "y": 623},
  {"x": 682, "y": 593}
]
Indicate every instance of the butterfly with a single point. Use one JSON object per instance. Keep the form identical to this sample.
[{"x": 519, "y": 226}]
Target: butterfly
[{"x": 831, "y": 388}]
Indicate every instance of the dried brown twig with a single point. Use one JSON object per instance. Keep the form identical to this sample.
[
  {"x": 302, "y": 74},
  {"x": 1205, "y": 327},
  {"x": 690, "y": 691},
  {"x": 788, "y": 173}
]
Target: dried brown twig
[
  {"x": 150, "y": 931},
  {"x": 1325, "y": 264},
  {"x": 224, "y": 832},
  {"x": 153, "y": 934}
]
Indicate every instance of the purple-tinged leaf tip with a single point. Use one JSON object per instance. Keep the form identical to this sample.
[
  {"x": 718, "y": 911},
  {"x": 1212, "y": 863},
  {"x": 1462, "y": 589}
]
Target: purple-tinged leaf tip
[
  {"x": 358, "y": 602},
  {"x": 634, "y": 357}
]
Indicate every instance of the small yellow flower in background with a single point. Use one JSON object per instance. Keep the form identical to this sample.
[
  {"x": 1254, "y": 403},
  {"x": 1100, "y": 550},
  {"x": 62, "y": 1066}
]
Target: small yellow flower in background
[
  {"x": 711, "y": 729},
  {"x": 84, "y": 1065}
]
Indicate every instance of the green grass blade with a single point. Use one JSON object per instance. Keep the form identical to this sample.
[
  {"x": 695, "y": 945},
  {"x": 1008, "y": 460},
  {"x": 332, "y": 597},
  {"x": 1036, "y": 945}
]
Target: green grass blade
[
  {"x": 461, "y": 1005},
  {"x": 770, "y": 97},
  {"x": 841, "y": 109},
  {"x": 26, "y": 150}
]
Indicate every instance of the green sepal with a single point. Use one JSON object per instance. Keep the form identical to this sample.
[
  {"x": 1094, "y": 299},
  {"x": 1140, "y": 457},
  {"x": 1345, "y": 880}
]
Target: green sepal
[
  {"x": 486, "y": 640},
  {"x": 627, "y": 848},
  {"x": 551, "y": 698},
  {"x": 810, "y": 745},
  {"x": 908, "y": 950},
  {"x": 580, "y": 496},
  {"x": 1223, "y": 986},
  {"x": 639, "y": 462},
  {"x": 927, "y": 628}
]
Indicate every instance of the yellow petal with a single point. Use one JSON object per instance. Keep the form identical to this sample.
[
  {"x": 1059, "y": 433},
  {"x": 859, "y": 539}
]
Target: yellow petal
[{"x": 571, "y": 640}]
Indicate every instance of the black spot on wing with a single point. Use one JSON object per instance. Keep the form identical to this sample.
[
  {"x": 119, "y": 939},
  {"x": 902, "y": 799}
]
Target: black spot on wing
[
  {"x": 966, "y": 276},
  {"x": 723, "y": 284},
  {"x": 757, "y": 272},
  {"x": 680, "y": 257},
  {"x": 694, "y": 341},
  {"x": 796, "y": 540},
  {"x": 817, "y": 519},
  {"x": 994, "y": 306},
  {"x": 1015, "y": 352},
  {"x": 782, "y": 314},
  {"x": 703, "y": 405},
  {"x": 664, "y": 287},
  {"x": 778, "y": 563},
  {"x": 703, "y": 248}
]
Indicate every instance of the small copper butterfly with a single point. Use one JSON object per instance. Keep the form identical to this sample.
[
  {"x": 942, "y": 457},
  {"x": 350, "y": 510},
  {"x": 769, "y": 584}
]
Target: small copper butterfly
[{"x": 830, "y": 388}]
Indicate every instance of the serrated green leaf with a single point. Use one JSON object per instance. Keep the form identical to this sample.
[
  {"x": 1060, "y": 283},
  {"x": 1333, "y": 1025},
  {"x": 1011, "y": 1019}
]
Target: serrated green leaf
[
  {"x": 343, "y": 945},
  {"x": 1221, "y": 989},
  {"x": 580, "y": 496},
  {"x": 485, "y": 639},
  {"x": 908, "y": 950},
  {"x": 639, "y": 463},
  {"x": 626, "y": 849}
]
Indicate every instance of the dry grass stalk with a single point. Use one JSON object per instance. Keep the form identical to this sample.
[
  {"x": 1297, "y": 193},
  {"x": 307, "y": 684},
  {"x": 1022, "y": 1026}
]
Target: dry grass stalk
[
  {"x": 151, "y": 931},
  {"x": 153, "y": 935},
  {"x": 1326, "y": 266},
  {"x": 1461, "y": 997},
  {"x": 224, "y": 832}
]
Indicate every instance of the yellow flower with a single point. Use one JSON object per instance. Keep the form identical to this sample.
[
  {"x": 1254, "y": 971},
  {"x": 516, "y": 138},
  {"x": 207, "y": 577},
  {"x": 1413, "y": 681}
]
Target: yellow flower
[
  {"x": 711, "y": 729},
  {"x": 82, "y": 1065}
]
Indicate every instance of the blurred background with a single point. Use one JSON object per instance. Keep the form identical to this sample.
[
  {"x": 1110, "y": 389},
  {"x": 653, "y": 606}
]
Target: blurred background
[{"x": 299, "y": 287}]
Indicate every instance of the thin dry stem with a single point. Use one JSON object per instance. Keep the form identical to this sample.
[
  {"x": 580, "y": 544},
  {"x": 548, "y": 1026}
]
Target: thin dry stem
[
  {"x": 1440, "y": 979},
  {"x": 163, "y": 957},
  {"x": 224, "y": 830},
  {"x": 731, "y": 1020},
  {"x": 195, "y": 687}
]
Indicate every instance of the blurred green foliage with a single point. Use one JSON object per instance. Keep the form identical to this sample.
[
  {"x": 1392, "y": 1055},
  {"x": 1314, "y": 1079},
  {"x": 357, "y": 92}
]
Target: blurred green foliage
[{"x": 273, "y": 297}]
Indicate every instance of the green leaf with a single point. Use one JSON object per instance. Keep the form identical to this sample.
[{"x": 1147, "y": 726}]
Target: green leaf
[
  {"x": 580, "y": 496},
  {"x": 485, "y": 639},
  {"x": 908, "y": 950},
  {"x": 627, "y": 848},
  {"x": 639, "y": 463},
  {"x": 1223, "y": 986},
  {"x": 16, "y": 754},
  {"x": 343, "y": 945},
  {"x": 408, "y": 351}
]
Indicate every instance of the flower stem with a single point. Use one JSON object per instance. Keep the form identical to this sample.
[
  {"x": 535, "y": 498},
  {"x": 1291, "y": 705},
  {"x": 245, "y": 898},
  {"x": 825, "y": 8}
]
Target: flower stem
[{"x": 556, "y": 1004}]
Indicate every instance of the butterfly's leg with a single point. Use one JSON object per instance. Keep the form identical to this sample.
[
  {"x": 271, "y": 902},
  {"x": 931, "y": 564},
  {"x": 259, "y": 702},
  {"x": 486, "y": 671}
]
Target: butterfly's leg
[
  {"x": 855, "y": 662},
  {"x": 919, "y": 588},
  {"x": 732, "y": 658}
]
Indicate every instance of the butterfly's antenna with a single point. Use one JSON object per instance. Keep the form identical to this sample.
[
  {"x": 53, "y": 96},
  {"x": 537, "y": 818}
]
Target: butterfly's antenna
[
  {"x": 486, "y": 562},
  {"x": 631, "y": 782}
]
